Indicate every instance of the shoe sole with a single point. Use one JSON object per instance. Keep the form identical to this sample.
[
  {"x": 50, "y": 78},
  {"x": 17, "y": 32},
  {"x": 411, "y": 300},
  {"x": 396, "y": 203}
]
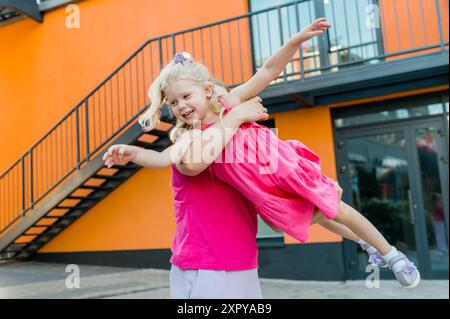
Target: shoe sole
[{"x": 415, "y": 283}]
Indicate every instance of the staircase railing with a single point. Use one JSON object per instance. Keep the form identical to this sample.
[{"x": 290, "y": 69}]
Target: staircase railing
[{"x": 233, "y": 49}]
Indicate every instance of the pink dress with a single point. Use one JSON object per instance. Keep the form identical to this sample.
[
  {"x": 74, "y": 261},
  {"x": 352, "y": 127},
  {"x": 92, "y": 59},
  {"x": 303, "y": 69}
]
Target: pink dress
[
  {"x": 282, "y": 179},
  {"x": 215, "y": 225}
]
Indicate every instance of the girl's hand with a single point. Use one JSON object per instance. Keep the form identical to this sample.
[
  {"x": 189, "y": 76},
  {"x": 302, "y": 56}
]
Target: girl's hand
[
  {"x": 314, "y": 29},
  {"x": 119, "y": 153},
  {"x": 251, "y": 110}
]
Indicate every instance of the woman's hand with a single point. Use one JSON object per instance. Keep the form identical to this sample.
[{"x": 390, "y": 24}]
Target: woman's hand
[
  {"x": 338, "y": 189},
  {"x": 314, "y": 29},
  {"x": 249, "y": 111},
  {"x": 119, "y": 153}
]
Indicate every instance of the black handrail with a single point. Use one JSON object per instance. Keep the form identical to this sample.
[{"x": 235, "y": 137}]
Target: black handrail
[{"x": 25, "y": 186}]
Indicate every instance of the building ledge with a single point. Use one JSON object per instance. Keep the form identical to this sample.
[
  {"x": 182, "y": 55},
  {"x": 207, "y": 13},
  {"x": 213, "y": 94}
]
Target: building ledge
[{"x": 359, "y": 82}]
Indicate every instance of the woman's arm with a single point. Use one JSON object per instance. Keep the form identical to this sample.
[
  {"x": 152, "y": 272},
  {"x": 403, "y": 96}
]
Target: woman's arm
[{"x": 275, "y": 64}]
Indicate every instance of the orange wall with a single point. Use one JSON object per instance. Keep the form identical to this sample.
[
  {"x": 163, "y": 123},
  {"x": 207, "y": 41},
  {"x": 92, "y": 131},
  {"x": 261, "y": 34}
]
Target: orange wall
[{"x": 421, "y": 29}]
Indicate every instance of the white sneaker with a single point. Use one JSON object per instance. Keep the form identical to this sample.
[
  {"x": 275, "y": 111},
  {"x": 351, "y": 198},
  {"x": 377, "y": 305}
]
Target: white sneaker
[{"x": 408, "y": 275}]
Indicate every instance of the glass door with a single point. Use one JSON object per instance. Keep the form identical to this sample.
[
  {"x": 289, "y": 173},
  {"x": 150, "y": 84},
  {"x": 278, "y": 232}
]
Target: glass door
[
  {"x": 398, "y": 180},
  {"x": 430, "y": 161}
]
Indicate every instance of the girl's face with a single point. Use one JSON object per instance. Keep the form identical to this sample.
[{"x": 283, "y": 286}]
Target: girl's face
[{"x": 189, "y": 101}]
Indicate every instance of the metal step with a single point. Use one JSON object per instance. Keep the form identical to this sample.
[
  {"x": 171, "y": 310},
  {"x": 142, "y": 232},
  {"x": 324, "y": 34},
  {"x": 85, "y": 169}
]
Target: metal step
[
  {"x": 73, "y": 216},
  {"x": 7, "y": 256},
  {"x": 107, "y": 177},
  {"x": 42, "y": 240},
  {"x": 143, "y": 144},
  {"x": 96, "y": 187},
  {"x": 85, "y": 198},
  {"x": 34, "y": 247},
  {"x": 41, "y": 226},
  {"x": 158, "y": 143},
  {"x": 15, "y": 247},
  {"x": 73, "y": 207},
  {"x": 126, "y": 167},
  {"x": 156, "y": 132}
]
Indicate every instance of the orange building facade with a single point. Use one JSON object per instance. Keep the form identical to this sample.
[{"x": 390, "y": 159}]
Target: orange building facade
[{"x": 332, "y": 102}]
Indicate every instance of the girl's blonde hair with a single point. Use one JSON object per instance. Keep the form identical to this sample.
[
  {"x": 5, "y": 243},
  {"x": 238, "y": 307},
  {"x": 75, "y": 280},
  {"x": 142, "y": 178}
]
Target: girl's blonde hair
[{"x": 178, "y": 69}]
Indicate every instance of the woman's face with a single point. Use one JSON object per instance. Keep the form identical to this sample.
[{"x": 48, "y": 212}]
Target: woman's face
[{"x": 189, "y": 101}]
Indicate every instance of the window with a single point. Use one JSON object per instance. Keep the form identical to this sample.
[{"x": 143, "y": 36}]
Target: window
[
  {"x": 350, "y": 39},
  {"x": 391, "y": 111},
  {"x": 45, "y": 5},
  {"x": 14, "y": 12}
]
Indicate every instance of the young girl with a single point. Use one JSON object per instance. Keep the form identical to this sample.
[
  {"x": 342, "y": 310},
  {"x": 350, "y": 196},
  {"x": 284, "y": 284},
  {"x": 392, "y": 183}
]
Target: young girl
[{"x": 294, "y": 194}]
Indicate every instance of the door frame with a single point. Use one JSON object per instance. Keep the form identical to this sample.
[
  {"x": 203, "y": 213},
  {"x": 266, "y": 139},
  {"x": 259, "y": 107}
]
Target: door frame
[
  {"x": 443, "y": 174},
  {"x": 406, "y": 127}
]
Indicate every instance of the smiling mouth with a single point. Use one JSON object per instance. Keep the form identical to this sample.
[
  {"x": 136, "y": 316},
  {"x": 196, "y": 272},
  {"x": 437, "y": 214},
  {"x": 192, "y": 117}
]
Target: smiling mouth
[{"x": 185, "y": 115}]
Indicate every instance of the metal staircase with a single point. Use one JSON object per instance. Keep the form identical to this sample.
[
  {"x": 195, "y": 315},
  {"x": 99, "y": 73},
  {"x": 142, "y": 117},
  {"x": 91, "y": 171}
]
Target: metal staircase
[{"x": 71, "y": 200}]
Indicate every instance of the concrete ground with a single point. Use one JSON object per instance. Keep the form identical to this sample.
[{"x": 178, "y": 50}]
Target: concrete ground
[{"x": 44, "y": 280}]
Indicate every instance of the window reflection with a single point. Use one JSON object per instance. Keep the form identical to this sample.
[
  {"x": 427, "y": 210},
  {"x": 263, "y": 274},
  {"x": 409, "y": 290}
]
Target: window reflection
[
  {"x": 350, "y": 39},
  {"x": 427, "y": 151},
  {"x": 380, "y": 186},
  {"x": 390, "y": 115}
]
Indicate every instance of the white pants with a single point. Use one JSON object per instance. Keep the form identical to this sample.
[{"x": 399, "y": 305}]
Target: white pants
[{"x": 214, "y": 284}]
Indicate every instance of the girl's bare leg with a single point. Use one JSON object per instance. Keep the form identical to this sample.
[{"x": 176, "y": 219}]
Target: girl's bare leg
[
  {"x": 333, "y": 226},
  {"x": 362, "y": 228}
]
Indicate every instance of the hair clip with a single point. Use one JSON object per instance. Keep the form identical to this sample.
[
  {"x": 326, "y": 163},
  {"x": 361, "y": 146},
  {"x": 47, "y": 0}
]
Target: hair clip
[{"x": 181, "y": 57}]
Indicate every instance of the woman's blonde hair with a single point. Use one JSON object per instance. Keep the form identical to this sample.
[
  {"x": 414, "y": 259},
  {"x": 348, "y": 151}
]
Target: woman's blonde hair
[{"x": 182, "y": 67}]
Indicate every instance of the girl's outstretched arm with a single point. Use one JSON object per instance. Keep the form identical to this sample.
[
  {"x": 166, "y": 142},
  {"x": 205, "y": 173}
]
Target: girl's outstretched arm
[
  {"x": 275, "y": 64},
  {"x": 123, "y": 153},
  {"x": 192, "y": 153}
]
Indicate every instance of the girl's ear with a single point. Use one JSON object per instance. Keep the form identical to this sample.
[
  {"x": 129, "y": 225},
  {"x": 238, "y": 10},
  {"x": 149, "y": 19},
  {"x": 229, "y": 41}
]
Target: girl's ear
[{"x": 209, "y": 89}]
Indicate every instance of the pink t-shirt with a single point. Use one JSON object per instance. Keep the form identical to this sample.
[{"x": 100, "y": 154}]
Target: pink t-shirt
[{"x": 215, "y": 225}]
